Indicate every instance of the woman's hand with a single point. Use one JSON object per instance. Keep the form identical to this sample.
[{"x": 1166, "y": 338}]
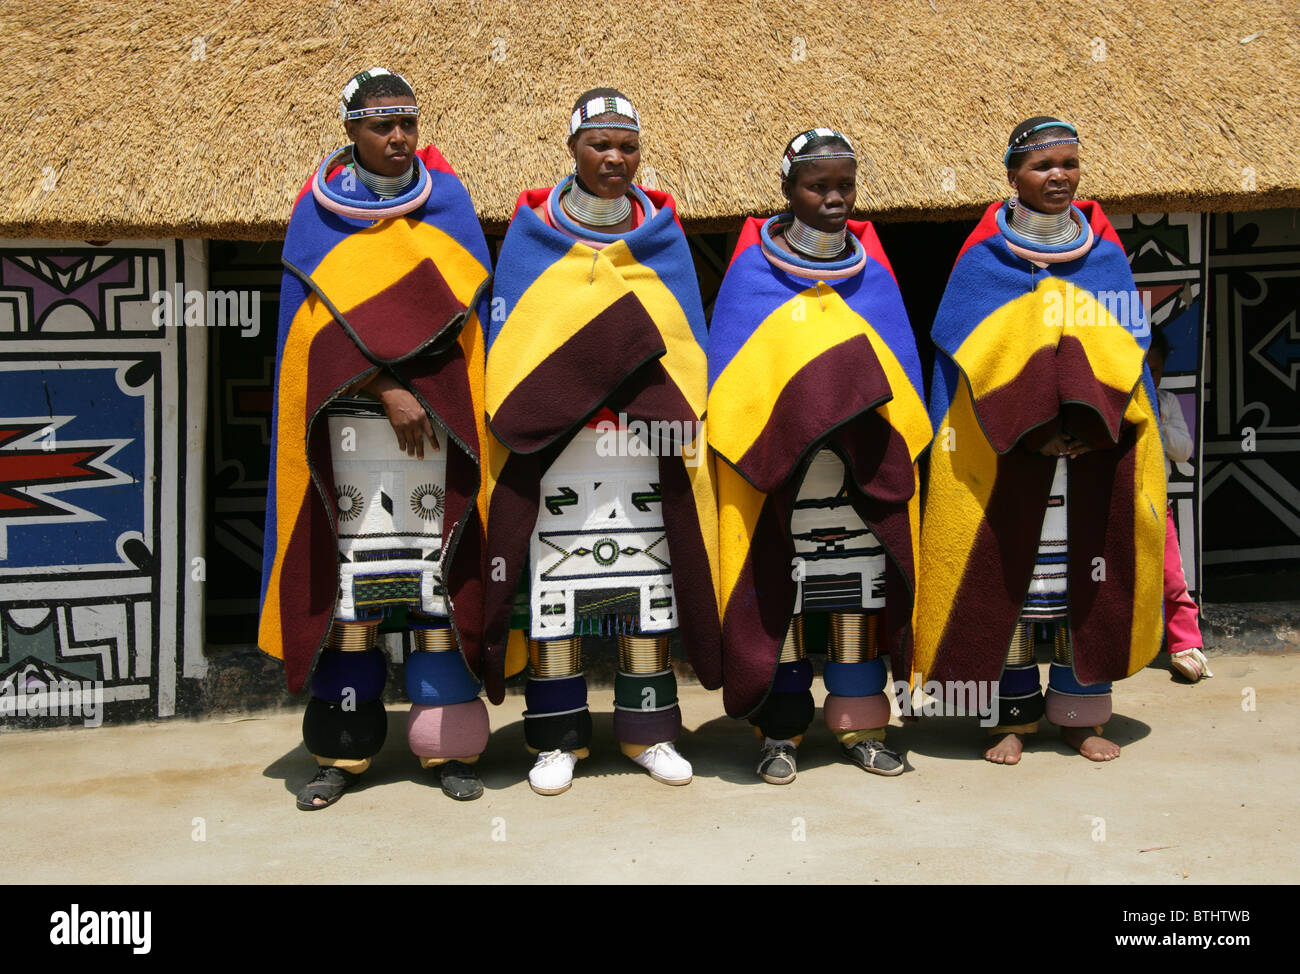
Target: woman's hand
[
  {"x": 1063, "y": 445},
  {"x": 409, "y": 420}
]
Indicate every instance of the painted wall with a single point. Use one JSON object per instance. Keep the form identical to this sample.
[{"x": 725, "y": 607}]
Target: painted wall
[
  {"x": 101, "y": 473},
  {"x": 1252, "y": 414}
]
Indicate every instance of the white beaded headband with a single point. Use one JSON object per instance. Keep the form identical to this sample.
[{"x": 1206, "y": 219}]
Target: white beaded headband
[
  {"x": 803, "y": 139},
  {"x": 351, "y": 87},
  {"x": 604, "y": 106}
]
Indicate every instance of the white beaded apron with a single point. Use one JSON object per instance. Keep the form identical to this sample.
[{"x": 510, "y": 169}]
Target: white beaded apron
[
  {"x": 390, "y": 511},
  {"x": 1046, "y": 598},
  {"x": 599, "y": 554},
  {"x": 838, "y": 560}
]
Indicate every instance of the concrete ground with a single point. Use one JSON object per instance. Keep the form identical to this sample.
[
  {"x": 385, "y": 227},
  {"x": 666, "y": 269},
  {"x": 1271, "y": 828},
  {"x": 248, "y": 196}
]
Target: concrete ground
[{"x": 1203, "y": 793}]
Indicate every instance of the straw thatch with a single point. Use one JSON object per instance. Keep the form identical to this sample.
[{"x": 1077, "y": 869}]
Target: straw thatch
[{"x": 204, "y": 119}]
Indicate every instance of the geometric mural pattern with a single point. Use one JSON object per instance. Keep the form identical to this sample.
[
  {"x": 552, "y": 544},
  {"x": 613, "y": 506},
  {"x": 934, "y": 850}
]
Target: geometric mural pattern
[
  {"x": 1166, "y": 252},
  {"x": 1252, "y": 430},
  {"x": 93, "y": 393}
]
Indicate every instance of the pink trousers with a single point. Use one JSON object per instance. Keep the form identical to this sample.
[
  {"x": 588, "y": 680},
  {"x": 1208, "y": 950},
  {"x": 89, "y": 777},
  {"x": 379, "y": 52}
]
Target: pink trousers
[{"x": 1181, "y": 625}]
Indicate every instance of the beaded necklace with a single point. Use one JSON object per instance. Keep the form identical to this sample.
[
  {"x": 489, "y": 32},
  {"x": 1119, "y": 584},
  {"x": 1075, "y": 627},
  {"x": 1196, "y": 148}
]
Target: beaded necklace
[
  {"x": 592, "y": 210},
  {"x": 817, "y": 244}
]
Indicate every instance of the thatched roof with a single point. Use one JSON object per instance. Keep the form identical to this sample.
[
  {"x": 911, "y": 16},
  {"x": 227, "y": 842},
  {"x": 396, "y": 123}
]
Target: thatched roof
[{"x": 204, "y": 119}]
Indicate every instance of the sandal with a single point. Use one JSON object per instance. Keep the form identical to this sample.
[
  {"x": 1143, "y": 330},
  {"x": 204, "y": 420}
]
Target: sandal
[
  {"x": 330, "y": 783},
  {"x": 1191, "y": 664}
]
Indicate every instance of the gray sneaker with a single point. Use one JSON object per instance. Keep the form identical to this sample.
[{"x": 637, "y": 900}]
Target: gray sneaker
[
  {"x": 776, "y": 763},
  {"x": 874, "y": 756}
]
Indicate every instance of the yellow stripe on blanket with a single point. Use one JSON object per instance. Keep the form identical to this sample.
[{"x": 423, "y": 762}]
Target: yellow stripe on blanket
[
  {"x": 1040, "y": 319},
  {"x": 388, "y": 251},
  {"x": 963, "y": 468},
  {"x": 792, "y": 336},
  {"x": 292, "y": 476}
]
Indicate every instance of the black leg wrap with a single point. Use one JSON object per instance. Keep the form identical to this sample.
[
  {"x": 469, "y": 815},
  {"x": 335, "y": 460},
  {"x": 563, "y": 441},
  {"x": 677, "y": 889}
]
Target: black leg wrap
[
  {"x": 1020, "y": 710},
  {"x": 785, "y": 715},
  {"x": 558, "y": 732},
  {"x": 332, "y": 732}
]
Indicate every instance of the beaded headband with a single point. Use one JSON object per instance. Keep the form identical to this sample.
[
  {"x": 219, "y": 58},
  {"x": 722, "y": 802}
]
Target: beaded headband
[
  {"x": 351, "y": 87},
  {"x": 801, "y": 140},
  {"x": 604, "y": 106},
  {"x": 1018, "y": 144}
]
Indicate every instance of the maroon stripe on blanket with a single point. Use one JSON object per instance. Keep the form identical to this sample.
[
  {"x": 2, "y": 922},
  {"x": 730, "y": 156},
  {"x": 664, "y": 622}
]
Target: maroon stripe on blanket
[
  {"x": 1102, "y": 492},
  {"x": 758, "y": 614},
  {"x": 1026, "y": 402},
  {"x": 997, "y": 572},
  {"x": 697, "y": 604},
  {"x": 1076, "y": 383},
  {"x": 396, "y": 322},
  {"x": 835, "y": 386},
  {"x": 512, "y": 515},
  {"x": 578, "y": 376}
]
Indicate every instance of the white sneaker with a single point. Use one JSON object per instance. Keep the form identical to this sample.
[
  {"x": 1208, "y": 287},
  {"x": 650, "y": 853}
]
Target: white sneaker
[
  {"x": 665, "y": 764},
  {"x": 553, "y": 772}
]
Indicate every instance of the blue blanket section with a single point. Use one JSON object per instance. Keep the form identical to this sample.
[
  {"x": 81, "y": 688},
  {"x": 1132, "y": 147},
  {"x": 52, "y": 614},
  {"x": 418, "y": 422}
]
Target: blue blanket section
[
  {"x": 754, "y": 288},
  {"x": 531, "y": 246}
]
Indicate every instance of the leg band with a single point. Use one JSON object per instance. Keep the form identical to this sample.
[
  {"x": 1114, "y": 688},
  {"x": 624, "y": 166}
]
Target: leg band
[
  {"x": 853, "y": 637},
  {"x": 792, "y": 649},
  {"x": 793, "y": 677},
  {"x": 433, "y": 639},
  {"x": 558, "y": 732},
  {"x": 1020, "y": 700},
  {"x": 647, "y": 727},
  {"x": 785, "y": 715},
  {"x": 555, "y": 657},
  {"x": 363, "y": 673},
  {"x": 1021, "y": 650},
  {"x": 352, "y": 637},
  {"x": 439, "y": 679},
  {"x": 1062, "y": 648},
  {"x": 558, "y": 696},
  {"x": 856, "y": 713},
  {"x": 329, "y": 730},
  {"x": 642, "y": 654},
  {"x": 459, "y": 730},
  {"x": 1070, "y": 710},
  {"x": 855, "y": 679},
  {"x": 649, "y": 692}
]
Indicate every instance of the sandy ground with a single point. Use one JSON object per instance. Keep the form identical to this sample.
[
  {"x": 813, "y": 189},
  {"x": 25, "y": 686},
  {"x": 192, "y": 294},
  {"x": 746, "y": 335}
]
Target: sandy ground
[{"x": 1202, "y": 793}]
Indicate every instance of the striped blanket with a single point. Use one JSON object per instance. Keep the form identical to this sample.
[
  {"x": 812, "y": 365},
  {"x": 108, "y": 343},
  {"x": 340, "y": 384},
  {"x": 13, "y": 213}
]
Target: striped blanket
[
  {"x": 796, "y": 365},
  {"x": 576, "y": 329},
  {"x": 402, "y": 293},
  {"x": 1025, "y": 351}
]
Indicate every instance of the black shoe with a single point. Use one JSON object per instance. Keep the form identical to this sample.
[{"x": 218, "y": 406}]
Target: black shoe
[
  {"x": 776, "y": 764},
  {"x": 874, "y": 756},
  {"x": 329, "y": 785},
  {"x": 459, "y": 781}
]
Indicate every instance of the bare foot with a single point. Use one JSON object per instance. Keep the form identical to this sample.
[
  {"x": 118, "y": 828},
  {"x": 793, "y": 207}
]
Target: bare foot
[
  {"x": 1090, "y": 745},
  {"x": 1006, "y": 750}
]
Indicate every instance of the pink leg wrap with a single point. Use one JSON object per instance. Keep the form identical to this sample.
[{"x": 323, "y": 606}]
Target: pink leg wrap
[
  {"x": 856, "y": 713},
  {"x": 1070, "y": 710},
  {"x": 458, "y": 730}
]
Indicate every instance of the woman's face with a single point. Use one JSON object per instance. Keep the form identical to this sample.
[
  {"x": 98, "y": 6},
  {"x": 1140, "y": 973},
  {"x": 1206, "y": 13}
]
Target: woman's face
[
  {"x": 1047, "y": 178},
  {"x": 385, "y": 144},
  {"x": 607, "y": 160},
  {"x": 823, "y": 192}
]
